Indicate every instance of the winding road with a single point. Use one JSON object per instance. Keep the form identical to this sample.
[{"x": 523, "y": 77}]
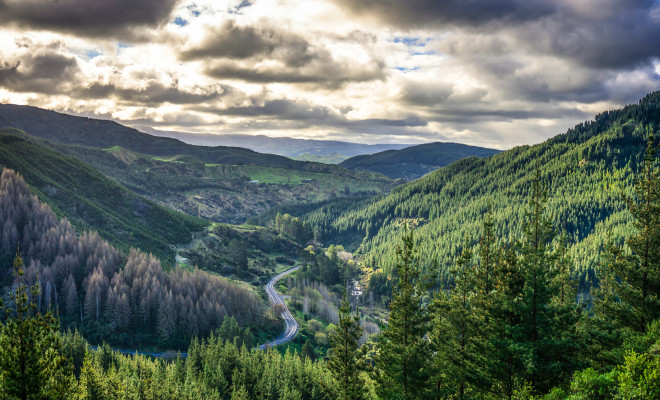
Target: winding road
[{"x": 291, "y": 323}]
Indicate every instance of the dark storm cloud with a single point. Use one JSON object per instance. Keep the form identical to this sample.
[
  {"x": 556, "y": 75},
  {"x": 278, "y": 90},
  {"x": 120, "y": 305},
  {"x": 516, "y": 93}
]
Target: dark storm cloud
[
  {"x": 470, "y": 116},
  {"x": 86, "y": 17},
  {"x": 436, "y": 13},
  {"x": 325, "y": 72},
  {"x": 284, "y": 109},
  {"x": 604, "y": 34},
  {"x": 411, "y": 121},
  {"x": 40, "y": 72},
  {"x": 426, "y": 94},
  {"x": 626, "y": 38}
]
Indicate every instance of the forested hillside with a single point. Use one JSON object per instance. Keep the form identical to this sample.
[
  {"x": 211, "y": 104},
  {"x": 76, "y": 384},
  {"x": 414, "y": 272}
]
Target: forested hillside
[
  {"x": 122, "y": 298},
  {"x": 92, "y": 201},
  {"x": 413, "y": 162},
  {"x": 586, "y": 171}
]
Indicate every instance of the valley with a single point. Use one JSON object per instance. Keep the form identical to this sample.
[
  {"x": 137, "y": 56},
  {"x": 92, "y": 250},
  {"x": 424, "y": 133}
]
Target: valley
[
  {"x": 329, "y": 200},
  {"x": 150, "y": 245}
]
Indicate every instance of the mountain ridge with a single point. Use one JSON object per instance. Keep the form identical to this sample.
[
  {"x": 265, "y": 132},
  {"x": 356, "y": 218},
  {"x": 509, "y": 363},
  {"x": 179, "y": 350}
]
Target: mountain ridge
[
  {"x": 415, "y": 161},
  {"x": 285, "y": 146}
]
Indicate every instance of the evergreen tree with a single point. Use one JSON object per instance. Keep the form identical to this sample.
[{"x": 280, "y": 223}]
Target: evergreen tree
[
  {"x": 628, "y": 299},
  {"x": 456, "y": 335},
  {"x": 345, "y": 359},
  {"x": 92, "y": 383},
  {"x": 547, "y": 331},
  {"x": 31, "y": 366},
  {"x": 404, "y": 365},
  {"x": 505, "y": 361}
]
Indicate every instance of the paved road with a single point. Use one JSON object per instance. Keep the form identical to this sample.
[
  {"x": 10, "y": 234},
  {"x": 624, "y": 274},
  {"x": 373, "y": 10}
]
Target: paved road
[{"x": 291, "y": 323}]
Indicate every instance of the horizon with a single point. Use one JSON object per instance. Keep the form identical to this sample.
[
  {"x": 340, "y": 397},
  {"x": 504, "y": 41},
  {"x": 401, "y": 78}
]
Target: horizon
[{"x": 490, "y": 74}]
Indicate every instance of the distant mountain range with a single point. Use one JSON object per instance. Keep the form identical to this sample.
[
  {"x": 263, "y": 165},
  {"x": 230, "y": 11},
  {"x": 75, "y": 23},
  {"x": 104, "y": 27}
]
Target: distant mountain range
[
  {"x": 414, "y": 162},
  {"x": 328, "y": 151}
]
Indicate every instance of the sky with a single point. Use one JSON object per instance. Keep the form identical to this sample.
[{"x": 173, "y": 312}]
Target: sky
[{"x": 494, "y": 73}]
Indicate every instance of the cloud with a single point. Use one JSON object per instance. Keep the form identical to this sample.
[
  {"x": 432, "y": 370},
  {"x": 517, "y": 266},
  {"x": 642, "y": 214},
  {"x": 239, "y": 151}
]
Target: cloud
[
  {"x": 324, "y": 72},
  {"x": 152, "y": 94},
  {"x": 234, "y": 41},
  {"x": 436, "y": 13},
  {"x": 426, "y": 94},
  {"x": 263, "y": 54},
  {"x": 623, "y": 37},
  {"x": 90, "y": 18},
  {"x": 598, "y": 34},
  {"x": 43, "y": 71}
]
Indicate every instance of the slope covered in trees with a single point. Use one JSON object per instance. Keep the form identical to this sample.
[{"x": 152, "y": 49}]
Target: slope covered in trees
[
  {"x": 413, "y": 162},
  {"x": 91, "y": 201},
  {"x": 108, "y": 295},
  {"x": 588, "y": 170}
]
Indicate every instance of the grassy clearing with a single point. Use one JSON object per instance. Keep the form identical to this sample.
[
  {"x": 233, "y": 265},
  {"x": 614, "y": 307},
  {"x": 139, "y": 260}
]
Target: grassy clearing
[{"x": 324, "y": 182}]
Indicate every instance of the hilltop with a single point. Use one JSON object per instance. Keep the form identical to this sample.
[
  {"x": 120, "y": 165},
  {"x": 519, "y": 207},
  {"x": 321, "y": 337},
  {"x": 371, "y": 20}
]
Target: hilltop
[{"x": 415, "y": 161}]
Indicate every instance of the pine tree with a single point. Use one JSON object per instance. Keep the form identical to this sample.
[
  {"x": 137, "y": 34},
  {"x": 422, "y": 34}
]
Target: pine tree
[
  {"x": 547, "y": 328},
  {"x": 92, "y": 383},
  {"x": 31, "y": 366},
  {"x": 505, "y": 361},
  {"x": 457, "y": 336},
  {"x": 345, "y": 360},
  {"x": 404, "y": 364},
  {"x": 628, "y": 299}
]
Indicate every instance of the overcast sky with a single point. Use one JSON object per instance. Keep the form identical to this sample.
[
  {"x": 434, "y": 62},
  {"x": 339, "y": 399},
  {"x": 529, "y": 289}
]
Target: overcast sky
[{"x": 496, "y": 73}]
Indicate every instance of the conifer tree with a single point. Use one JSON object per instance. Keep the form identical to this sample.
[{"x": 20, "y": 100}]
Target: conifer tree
[
  {"x": 628, "y": 299},
  {"x": 456, "y": 335},
  {"x": 92, "y": 384},
  {"x": 345, "y": 360},
  {"x": 547, "y": 331},
  {"x": 505, "y": 361},
  {"x": 31, "y": 366},
  {"x": 488, "y": 258},
  {"x": 404, "y": 364}
]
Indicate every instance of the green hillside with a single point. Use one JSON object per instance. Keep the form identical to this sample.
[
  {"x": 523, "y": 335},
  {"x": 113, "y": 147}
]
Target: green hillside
[
  {"x": 413, "y": 162},
  {"x": 69, "y": 129},
  {"x": 214, "y": 183},
  {"x": 229, "y": 193},
  {"x": 586, "y": 171},
  {"x": 88, "y": 132},
  {"x": 91, "y": 201}
]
